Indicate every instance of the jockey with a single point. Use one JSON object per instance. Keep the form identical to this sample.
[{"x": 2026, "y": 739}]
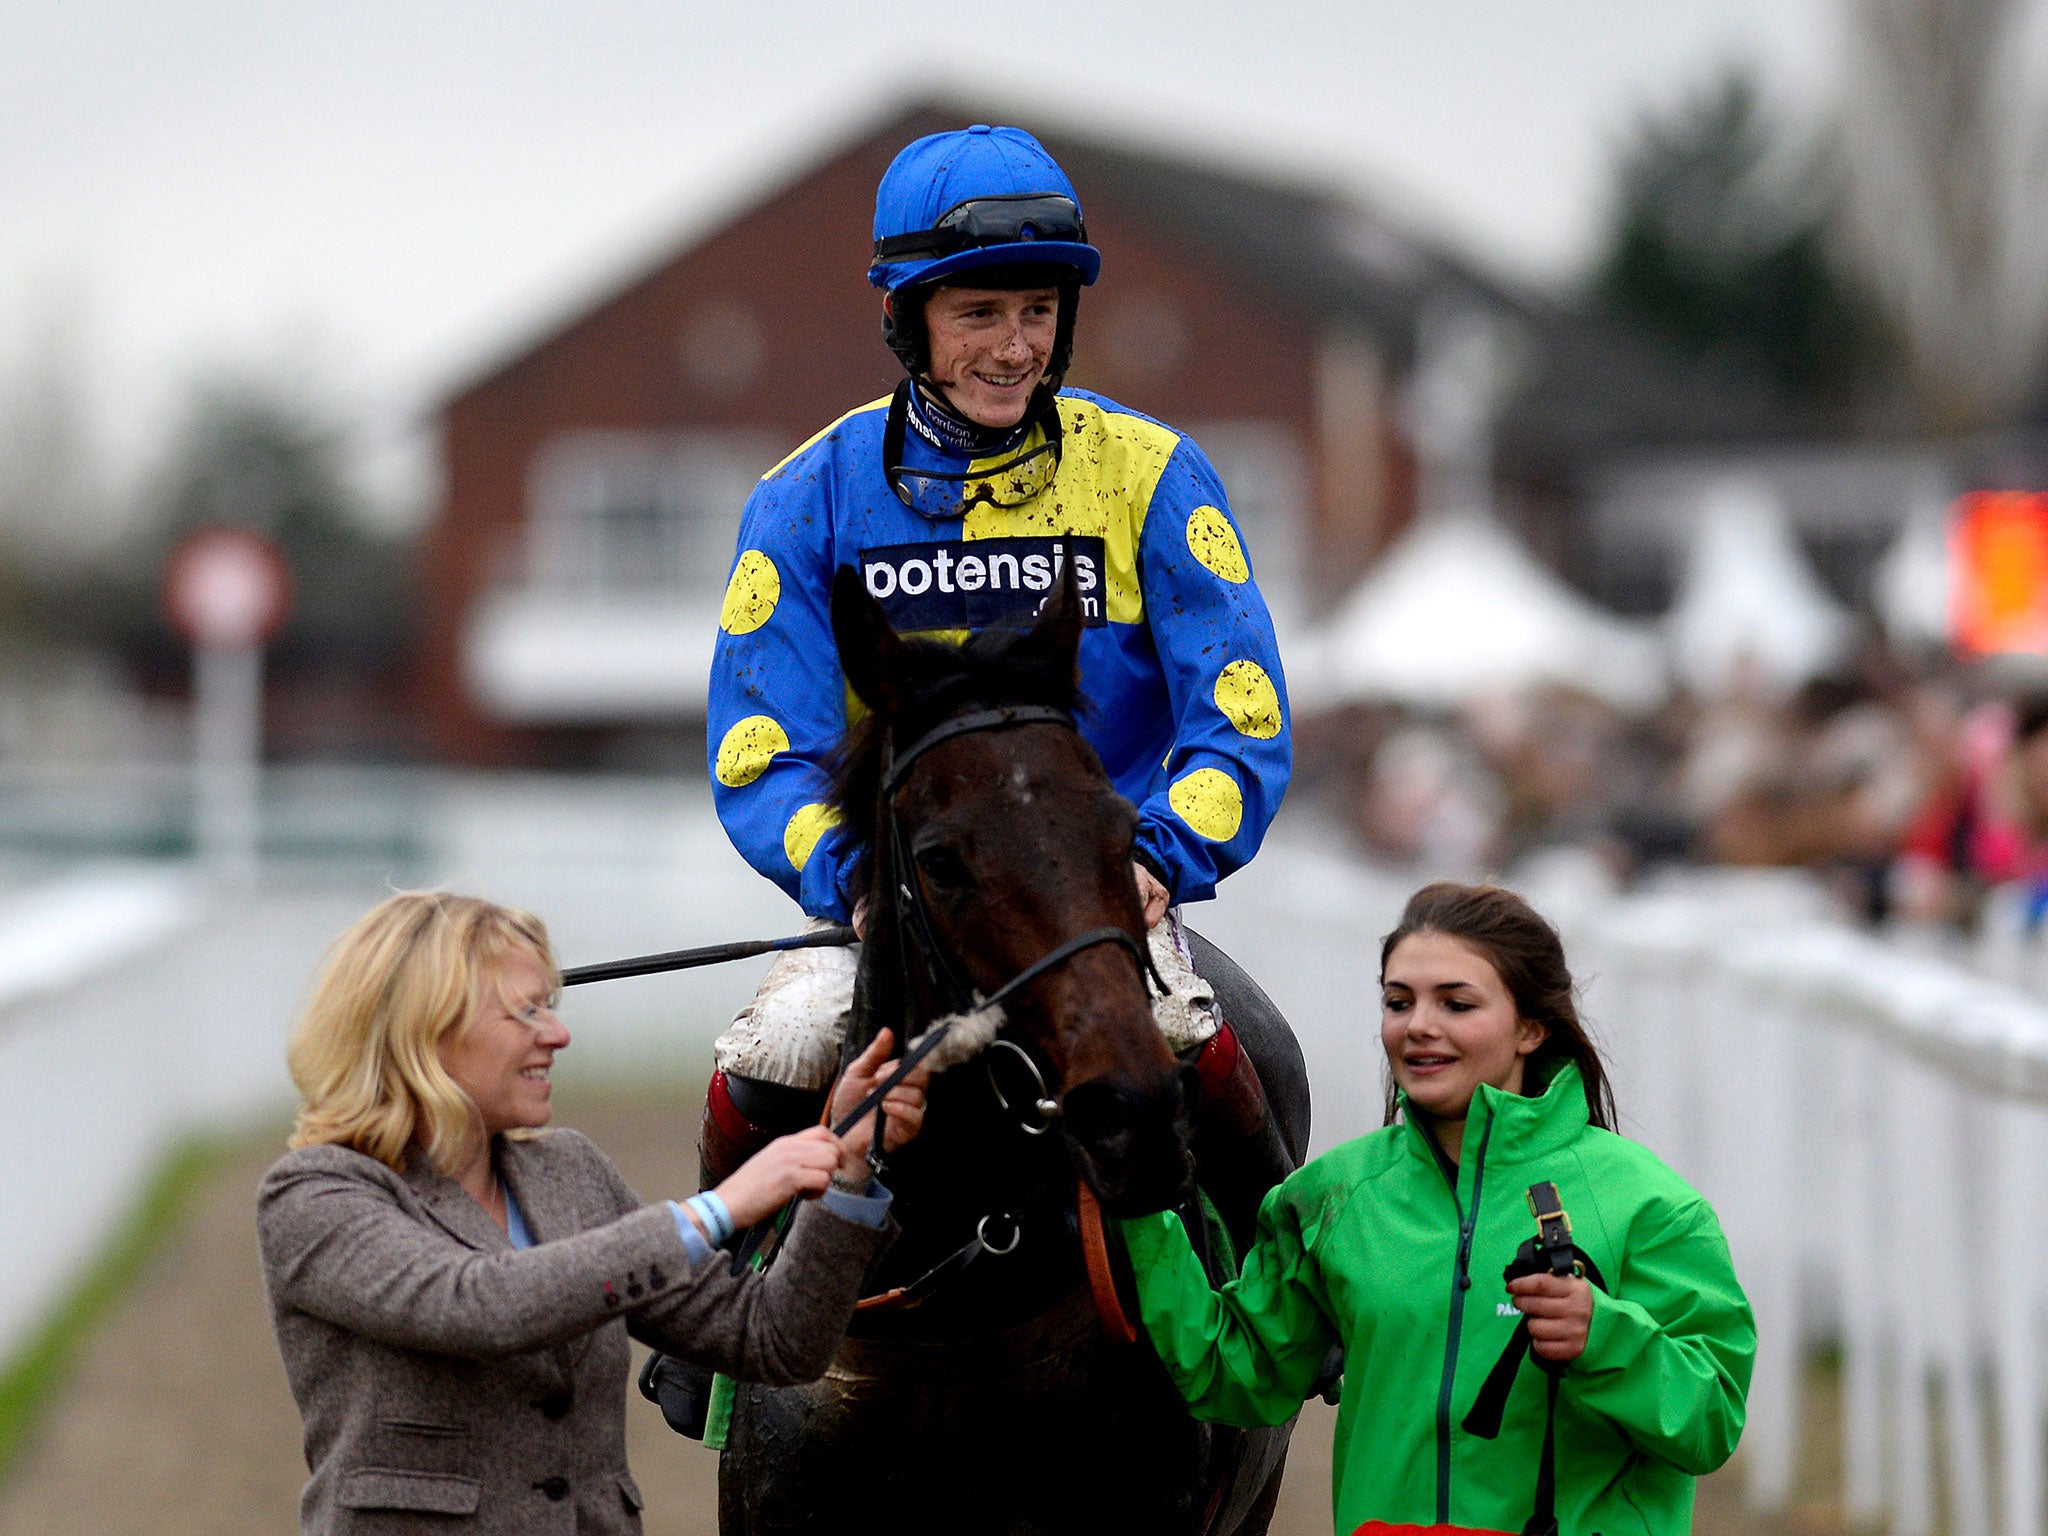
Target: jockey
[{"x": 958, "y": 498}]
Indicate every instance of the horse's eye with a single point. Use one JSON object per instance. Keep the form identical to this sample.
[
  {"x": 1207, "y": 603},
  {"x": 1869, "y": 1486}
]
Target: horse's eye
[{"x": 944, "y": 867}]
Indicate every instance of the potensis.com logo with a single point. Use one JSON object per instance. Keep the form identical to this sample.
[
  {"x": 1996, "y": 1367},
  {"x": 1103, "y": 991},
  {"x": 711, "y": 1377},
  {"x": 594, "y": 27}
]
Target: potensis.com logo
[{"x": 979, "y": 582}]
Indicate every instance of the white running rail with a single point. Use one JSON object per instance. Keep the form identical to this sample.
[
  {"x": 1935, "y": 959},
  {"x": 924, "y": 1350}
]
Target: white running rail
[
  {"x": 138, "y": 1005},
  {"x": 1870, "y": 1122},
  {"x": 1872, "y": 1126}
]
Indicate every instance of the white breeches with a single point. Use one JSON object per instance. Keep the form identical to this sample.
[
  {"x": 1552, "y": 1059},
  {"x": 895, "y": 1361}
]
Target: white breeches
[{"x": 791, "y": 1032}]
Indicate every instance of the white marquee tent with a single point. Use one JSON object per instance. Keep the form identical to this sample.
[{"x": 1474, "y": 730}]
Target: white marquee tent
[
  {"x": 1912, "y": 586},
  {"x": 1459, "y": 608},
  {"x": 1750, "y": 607}
]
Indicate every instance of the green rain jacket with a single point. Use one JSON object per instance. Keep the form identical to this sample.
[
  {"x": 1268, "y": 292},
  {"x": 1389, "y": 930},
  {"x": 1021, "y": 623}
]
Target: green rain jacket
[{"x": 1385, "y": 1247}]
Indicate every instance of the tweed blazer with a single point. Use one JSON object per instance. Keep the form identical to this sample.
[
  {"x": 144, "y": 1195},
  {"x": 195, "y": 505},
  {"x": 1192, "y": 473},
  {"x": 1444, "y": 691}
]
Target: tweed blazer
[{"x": 447, "y": 1381}]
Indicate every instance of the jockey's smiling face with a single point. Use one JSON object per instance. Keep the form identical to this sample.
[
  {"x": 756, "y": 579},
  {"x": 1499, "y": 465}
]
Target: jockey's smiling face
[
  {"x": 1449, "y": 1024},
  {"x": 990, "y": 347}
]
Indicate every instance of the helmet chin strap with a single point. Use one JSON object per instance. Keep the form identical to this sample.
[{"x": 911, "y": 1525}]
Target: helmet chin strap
[{"x": 957, "y": 430}]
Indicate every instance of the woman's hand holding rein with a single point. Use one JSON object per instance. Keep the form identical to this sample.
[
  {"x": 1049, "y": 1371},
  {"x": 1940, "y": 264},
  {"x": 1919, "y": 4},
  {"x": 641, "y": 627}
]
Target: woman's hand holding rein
[
  {"x": 788, "y": 1166},
  {"x": 805, "y": 1163},
  {"x": 904, "y": 1105}
]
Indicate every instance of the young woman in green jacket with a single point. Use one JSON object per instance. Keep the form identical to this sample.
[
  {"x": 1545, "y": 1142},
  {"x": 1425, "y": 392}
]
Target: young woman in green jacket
[{"x": 1394, "y": 1246}]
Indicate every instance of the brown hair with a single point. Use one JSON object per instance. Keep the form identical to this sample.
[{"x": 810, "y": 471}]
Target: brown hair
[{"x": 1528, "y": 956}]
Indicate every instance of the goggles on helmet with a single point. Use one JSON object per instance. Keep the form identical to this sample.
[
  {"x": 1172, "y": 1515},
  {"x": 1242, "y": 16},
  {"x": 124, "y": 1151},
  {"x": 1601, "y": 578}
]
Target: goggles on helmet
[{"x": 1012, "y": 219}]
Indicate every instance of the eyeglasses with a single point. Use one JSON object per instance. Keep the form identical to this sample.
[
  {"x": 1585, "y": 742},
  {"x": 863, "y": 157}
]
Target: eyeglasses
[
  {"x": 1011, "y": 220},
  {"x": 534, "y": 1015}
]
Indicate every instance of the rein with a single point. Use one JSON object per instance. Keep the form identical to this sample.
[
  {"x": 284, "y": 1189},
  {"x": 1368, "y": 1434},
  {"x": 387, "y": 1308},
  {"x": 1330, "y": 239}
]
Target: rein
[
  {"x": 929, "y": 1041},
  {"x": 750, "y": 1244}
]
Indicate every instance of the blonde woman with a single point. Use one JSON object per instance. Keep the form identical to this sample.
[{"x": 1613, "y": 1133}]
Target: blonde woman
[{"x": 453, "y": 1285}]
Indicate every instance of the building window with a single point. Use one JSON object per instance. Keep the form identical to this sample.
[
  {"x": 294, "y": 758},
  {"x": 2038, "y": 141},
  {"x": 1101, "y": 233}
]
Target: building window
[{"x": 624, "y": 514}]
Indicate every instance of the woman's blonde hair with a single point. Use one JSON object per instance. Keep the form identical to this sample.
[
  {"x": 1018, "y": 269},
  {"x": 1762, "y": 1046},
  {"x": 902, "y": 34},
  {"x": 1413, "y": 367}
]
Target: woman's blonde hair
[{"x": 365, "y": 1053}]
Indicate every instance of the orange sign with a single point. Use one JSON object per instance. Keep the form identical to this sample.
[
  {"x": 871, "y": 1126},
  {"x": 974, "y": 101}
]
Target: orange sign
[{"x": 1998, "y": 559}]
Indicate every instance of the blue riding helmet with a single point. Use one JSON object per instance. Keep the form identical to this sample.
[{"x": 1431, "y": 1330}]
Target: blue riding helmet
[{"x": 977, "y": 197}]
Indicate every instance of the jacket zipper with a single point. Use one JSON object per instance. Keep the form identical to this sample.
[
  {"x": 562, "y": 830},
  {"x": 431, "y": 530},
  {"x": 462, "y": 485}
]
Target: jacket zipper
[{"x": 1461, "y": 1282}]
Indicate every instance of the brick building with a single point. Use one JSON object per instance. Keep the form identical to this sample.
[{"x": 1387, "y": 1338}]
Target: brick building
[{"x": 572, "y": 578}]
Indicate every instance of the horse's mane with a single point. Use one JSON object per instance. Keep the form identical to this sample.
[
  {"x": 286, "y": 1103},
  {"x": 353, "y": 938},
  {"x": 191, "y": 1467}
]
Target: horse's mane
[{"x": 939, "y": 680}]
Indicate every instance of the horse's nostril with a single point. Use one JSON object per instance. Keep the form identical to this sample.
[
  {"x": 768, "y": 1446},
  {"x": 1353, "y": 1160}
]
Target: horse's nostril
[
  {"x": 1132, "y": 1142},
  {"x": 1097, "y": 1114}
]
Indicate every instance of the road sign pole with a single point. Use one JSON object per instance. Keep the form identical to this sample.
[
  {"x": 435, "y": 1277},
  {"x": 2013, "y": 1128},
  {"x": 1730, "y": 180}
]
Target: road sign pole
[
  {"x": 226, "y": 590},
  {"x": 227, "y": 697}
]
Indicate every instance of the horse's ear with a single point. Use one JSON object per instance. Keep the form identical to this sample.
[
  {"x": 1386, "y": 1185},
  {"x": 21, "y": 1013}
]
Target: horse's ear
[
  {"x": 1055, "y": 638},
  {"x": 870, "y": 653}
]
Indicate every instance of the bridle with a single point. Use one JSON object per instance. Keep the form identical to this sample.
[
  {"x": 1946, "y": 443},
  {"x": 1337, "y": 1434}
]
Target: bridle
[
  {"x": 915, "y": 924},
  {"x": 914, "y": 932},
  {"x": 915, "y": 928}
]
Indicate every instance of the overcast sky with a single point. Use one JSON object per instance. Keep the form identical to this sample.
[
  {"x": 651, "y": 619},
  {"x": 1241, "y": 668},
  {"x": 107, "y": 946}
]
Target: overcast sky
[{"x": 390, "y": 192}]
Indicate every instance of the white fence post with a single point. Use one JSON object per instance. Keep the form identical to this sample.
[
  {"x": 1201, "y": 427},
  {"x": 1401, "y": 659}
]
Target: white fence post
[
  {"x": 2014, "y": 1343},
  {"x": 1756, "y": 1111},
  {"x": 1871, "y": 1120},
  {"x": 1944, "y": 1233}
]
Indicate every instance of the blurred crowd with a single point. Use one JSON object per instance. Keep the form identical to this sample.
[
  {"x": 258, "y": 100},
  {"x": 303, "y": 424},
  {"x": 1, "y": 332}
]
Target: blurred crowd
[{"x": 1913, "y": 786}]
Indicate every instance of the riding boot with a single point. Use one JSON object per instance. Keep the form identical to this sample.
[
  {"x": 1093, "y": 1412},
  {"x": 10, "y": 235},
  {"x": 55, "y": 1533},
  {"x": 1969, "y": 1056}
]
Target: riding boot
[
  {"x": 742, "y": 1115},
  {"x": 1239, "y": 1154}
]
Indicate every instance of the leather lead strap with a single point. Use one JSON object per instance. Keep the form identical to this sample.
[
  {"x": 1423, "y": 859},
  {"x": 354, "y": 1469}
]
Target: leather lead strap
[
  {"x": 1101, "y": 1278},
  {"x": 1543, "y": 1519},
  {"x": 1492, "y": 1401},
  {"x": 910, "y": 1295},
  {"x": 1551, "y": 1251}
]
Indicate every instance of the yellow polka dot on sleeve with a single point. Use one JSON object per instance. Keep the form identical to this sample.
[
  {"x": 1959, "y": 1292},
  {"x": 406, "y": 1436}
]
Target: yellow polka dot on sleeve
[
  {"x": 1213, "y": 541},
  {"x": 1209, "y": 801},
  {"x": 810, "y": 823},
  {"x": 1249, "y": 700},
  {"x": 747, "y": 749},
  {"x": 751, "y": 595}
]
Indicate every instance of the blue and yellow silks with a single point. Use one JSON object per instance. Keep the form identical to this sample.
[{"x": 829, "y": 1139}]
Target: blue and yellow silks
[{"x": 1178, "y": 660}]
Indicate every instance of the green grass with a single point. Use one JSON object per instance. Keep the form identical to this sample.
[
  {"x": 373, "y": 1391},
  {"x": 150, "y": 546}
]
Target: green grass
[{"x": 29, "y": 1381}]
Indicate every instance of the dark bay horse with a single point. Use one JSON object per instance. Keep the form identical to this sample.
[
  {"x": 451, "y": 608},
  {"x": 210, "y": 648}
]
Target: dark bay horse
[{"x": 996, "y": 1401}]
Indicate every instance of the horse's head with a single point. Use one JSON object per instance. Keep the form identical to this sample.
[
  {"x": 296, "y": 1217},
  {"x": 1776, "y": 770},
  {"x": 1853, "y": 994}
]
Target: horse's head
[{"x": 1013, "y": 842}]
